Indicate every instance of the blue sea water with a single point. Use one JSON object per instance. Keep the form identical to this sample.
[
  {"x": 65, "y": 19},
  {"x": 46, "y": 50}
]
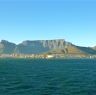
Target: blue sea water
[{"x": 47, "y": 77}]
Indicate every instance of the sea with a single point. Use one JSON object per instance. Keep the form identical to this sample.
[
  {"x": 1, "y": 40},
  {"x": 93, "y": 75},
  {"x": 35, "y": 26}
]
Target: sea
[{"x": 47, "y": 76}]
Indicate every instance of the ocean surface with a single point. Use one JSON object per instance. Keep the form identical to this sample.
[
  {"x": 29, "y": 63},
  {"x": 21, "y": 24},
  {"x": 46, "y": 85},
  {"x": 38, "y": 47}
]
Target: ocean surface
[{"x": 47, "y": 77}]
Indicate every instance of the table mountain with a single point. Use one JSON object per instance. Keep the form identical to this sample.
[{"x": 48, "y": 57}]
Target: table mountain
[{"x": 59, "y": 46}]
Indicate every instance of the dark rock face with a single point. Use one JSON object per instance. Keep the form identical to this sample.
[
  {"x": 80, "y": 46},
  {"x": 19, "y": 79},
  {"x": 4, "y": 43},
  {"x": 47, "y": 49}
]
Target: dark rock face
[
  {"x": 7, "y": 47},
  {"x": 31, "y": 47},
  {"x": 43, "y": 46}
]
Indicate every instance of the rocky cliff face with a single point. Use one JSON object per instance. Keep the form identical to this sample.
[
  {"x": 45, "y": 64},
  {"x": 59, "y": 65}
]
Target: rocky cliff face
[
  {"x": 31, "y": 47},
  {"x": 7, "y": 47},
  {"x": 94, "y": 47},
  {"x": 43, "y": 46}
]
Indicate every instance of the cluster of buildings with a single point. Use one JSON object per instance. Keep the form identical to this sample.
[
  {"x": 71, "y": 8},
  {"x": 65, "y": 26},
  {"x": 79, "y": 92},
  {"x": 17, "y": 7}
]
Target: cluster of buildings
[
  {"x": 26, "y": 56},
  {"x": 47, "y": 56}
]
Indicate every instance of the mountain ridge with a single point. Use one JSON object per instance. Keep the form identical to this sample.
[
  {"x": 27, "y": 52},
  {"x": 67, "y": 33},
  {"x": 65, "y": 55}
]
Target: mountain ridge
[{"x": 56, "y": 46}]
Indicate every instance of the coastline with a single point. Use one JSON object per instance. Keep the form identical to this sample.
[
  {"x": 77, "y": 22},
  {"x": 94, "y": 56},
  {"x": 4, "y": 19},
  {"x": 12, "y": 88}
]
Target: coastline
[{"x": 47, "y": 56}]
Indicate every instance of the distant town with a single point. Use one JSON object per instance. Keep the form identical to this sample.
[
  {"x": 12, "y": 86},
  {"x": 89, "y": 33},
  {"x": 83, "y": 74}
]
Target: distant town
[{"x": 47, "y": 56}]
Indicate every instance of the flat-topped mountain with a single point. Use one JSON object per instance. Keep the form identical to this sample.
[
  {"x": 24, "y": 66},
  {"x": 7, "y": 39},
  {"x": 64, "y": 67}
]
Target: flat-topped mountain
[
  {"x": 59, "y": 46},
  {"x": 41, "y": 46}
]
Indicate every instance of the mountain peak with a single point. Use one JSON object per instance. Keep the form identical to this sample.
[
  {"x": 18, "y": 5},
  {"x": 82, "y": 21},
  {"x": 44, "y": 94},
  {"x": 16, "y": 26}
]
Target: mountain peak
[{"x": 4, "y": 41}]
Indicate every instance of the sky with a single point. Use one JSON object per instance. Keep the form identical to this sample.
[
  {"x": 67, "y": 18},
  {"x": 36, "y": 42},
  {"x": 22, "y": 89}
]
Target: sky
[{"x": 72, "y": 20}]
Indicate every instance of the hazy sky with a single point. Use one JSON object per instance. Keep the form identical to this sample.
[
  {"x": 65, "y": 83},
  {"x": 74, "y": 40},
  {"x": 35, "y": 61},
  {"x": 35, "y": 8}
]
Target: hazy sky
[{"x": 72, "y": 20}]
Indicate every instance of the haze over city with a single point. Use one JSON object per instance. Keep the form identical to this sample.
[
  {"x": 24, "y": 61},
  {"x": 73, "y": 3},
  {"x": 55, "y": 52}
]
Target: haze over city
[{"x": 74, "y": 21}]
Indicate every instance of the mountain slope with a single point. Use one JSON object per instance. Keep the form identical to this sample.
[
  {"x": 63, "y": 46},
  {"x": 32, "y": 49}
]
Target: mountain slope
[{"x": 59, "y": 46}]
